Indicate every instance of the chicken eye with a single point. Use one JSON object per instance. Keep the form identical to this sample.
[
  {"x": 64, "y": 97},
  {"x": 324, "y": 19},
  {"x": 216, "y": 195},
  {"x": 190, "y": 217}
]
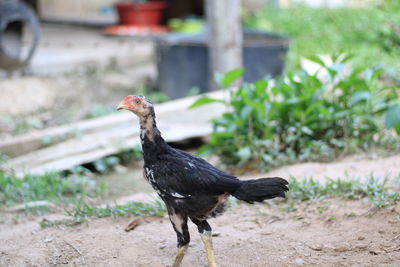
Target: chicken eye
[{"x": 137, "y": 101}]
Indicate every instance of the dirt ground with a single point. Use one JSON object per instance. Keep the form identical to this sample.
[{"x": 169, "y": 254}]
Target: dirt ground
[{"x": 328, "y": 233}]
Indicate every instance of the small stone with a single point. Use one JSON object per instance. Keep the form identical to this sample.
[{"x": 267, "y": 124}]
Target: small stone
[
  {"x": 361, "y": 238},
  {"x": 316, "y": 247},
  {"x": 216, "y": 233},
  {"x": 266, "y": 233},
  {"x": 299, "y": 261},
  {"x": 163, "y": 245},
  {"x": 274, "y": 219},
  {"x": 342, "y": 249},
  {"x": 48, "y": 240},
  {"x": 374, "y": 252},
  {"x": 361, "y": 247}
]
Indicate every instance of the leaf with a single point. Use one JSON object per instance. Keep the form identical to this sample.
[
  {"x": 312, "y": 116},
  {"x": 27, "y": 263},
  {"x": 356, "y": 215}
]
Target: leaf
[
  {"x": 204, "y": 101},
  {"x": 392, "y": 116},
  {"x": 260, "y": 87},
  {"x": 324, "y": 112},
  {"x": 223, "y": 134},
  {"x": 259, "y": 107},
  {"x": 229, "y": 77},
  {"x": 246, "y": 111},
  {"x": 316, "y": 59},
  {"x": 244, "y": 153},
  {"x": 307, "y": 130},
  {"x": 397, "y": 128},
  {"x": 312, "y": 107},
  {"x": 341, "y": 114},
  {"x": 359, "y": 96},
  {"x": 332, "y": 72},
  {"x": 347, "y": 58}
]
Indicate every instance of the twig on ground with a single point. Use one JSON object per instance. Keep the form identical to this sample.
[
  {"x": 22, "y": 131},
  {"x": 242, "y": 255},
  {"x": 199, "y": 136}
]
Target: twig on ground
[{"x": 72, "y": 246}]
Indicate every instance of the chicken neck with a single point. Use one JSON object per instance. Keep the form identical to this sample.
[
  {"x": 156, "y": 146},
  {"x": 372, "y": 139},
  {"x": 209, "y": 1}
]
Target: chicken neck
[{"x": 152, "y": 142}]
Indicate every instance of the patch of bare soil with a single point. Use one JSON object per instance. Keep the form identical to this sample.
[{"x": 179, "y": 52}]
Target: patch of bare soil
[
  {"x": 331, "y": 232},
  {"x": 355, "y": 166},
  {"x": 344, "y": 234}
]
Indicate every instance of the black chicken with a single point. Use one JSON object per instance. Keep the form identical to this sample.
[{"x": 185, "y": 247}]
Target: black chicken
[{"x": 191, "y": 187}]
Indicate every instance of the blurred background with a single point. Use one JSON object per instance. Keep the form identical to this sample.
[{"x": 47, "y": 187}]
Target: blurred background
[
  {"x": 303, "y": 89},
  {"x": 61, "y": 55}
]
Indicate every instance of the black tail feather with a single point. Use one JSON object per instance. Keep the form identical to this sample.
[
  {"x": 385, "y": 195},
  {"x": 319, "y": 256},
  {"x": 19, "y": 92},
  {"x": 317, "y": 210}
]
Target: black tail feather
[{"x": 260, "y": 189}]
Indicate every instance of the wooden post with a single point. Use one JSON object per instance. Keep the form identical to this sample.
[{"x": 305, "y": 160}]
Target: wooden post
[{"x": 225, "y": 37}]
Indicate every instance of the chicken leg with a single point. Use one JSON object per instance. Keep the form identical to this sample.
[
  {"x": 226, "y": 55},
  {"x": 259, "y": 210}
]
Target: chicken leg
[
  {"x": 179, "y": 222},
  {"x": 205, "y": 234},
  {"x": 180, "y": 253},
  {"x": 207, "y": 241}
]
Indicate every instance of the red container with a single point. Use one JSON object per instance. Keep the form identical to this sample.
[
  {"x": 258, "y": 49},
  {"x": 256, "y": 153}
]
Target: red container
[{"x": 147, "y": 13}]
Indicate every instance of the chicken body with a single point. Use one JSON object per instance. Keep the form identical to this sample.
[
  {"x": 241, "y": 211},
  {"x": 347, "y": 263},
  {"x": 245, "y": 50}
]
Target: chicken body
[{"x": 191, "y": 187}]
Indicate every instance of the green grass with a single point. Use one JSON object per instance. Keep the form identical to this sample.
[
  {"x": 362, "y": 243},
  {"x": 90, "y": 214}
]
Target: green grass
[
  {"x": 70, "y": 191},
  {"x": 75, "y": 189},
  {"x": 81, "y": 212},
  {"x": 109, "y": 163},
  {"x": 50, "y": 186},
  {"x": 376, "y": 190},
  {"x": 372, "y": 33},
  {"x": 65, "y": 222},
  {"x": 21, "y": 124},
  {"x": 156, "y": 208}
]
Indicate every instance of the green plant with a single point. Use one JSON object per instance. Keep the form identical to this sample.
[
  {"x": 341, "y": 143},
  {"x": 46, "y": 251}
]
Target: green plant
[
  {"x": 21, "y": 124},
  {"x": 105, "y": 164},
  {"x": 109, "y": 163},
  {"x": 392, "y": 119},
  {"x": 81, "y": 212},
  {"x": 65, "y": 222},
  {"x": 372, "y": 32},
  {"x": 50, "y": 186},
  {"x": 3, "y": 159},
  {"x": 376, "y": 190},
  {"x": 301, "y": 116}
]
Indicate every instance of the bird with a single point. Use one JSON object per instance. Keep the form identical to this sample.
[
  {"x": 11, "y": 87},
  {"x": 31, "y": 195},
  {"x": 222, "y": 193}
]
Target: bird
[{"x": 191, "y": 188}]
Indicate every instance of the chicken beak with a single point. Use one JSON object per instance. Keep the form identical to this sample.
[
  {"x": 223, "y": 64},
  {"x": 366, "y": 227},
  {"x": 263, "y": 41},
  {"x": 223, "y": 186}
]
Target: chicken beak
[{"x": 122, "y": 105}]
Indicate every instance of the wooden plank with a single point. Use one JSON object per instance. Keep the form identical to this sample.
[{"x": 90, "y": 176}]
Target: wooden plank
[
  {"x": 19, "y": 145},
  {"x": 75, "y": 146},
  {"x": 94, "y": 146},
  {"x": 175, "y": 122}
]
